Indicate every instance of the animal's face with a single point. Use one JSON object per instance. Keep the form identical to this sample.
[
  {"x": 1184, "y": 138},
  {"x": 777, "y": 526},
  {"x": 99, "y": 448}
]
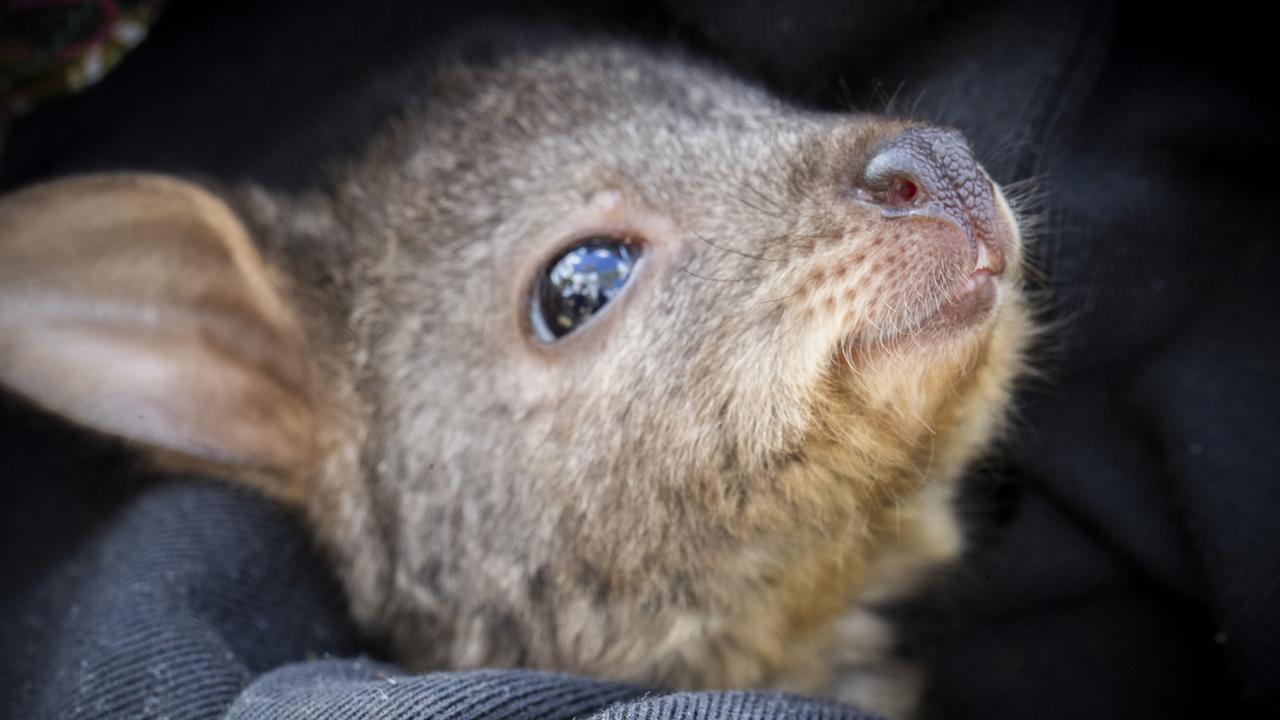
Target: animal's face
[
  {"x": 781, "y": 356},
  {"x": 617, "y": 365}
]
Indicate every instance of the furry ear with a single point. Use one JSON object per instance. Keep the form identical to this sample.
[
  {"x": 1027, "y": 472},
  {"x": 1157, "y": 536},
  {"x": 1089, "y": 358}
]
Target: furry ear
[{"x": 136, "y": 304}]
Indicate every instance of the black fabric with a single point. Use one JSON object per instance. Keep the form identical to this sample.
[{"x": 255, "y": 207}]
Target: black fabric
[
  {"x": 367, "y": 691},
  {"x": 1126, "y": 558},
  {"x": 163, "y": 612}
]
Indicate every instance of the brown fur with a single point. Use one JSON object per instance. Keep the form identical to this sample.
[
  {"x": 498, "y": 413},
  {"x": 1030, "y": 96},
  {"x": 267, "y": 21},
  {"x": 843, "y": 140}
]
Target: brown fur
[{"x": 760, "y": 434}]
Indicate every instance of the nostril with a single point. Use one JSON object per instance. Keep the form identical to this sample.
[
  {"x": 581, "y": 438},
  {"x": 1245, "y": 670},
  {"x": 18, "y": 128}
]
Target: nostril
[
  {"x": 903, "y": 191},
  {"x": 899, "y": 178},
  {"x": 930, "y": 170},
  {"x": 919, "y": 164}
]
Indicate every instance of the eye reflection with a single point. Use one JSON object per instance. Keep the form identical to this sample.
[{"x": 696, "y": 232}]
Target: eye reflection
[{"x": 579, "y": 283}]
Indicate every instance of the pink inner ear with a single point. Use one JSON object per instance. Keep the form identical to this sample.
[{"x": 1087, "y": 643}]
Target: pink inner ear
[
  {"x": 138, "y": 305},
  {"x": 168, "y": 389}
]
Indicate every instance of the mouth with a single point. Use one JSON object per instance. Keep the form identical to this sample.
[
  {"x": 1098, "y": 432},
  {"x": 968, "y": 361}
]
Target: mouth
[{"x": 974, "y": 298}]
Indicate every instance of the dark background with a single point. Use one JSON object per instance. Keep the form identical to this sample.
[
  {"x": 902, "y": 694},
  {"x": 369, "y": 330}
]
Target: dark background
[{"x": 1126, "y": 558}]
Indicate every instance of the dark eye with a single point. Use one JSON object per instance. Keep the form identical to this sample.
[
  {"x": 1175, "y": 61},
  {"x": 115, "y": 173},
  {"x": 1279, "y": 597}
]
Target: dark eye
[{"x": 579, "y": 283}]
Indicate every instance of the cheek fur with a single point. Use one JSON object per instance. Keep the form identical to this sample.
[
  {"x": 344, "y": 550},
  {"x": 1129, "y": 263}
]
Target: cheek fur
[{"x": 872, "y": 283}]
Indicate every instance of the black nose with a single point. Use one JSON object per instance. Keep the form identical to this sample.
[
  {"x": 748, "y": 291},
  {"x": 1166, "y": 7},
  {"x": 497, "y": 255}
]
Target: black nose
[{"x": 930, "y": 170}]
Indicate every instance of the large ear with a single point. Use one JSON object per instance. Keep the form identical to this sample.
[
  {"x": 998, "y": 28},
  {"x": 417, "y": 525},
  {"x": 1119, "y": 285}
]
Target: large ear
[{"x": 137, "y": 305}]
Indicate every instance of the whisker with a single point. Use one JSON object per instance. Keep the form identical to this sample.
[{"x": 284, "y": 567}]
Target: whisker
[
  {"x": 691, "y": 273},
  {"x": 845, "y": 96},
  {"x": 781, "y": 298},
  {"x": 778, "y": 207},
  {"x": 757, "y": 208},
  {"x": 739, "y": 253}
]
